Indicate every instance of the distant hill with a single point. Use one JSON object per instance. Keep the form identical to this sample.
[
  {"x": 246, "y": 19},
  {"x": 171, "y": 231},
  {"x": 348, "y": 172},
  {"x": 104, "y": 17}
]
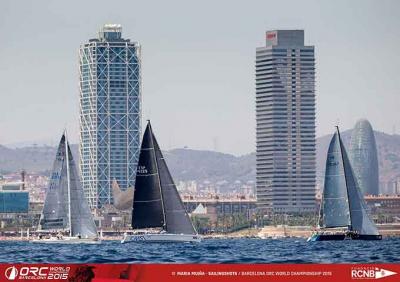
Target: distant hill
[
  {"x": 33, "y": 158},
  {"x": 187, "y": 164}
]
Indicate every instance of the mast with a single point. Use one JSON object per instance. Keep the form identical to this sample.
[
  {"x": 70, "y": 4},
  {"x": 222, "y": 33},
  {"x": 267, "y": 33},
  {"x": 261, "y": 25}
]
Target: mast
[
  {"x": 158, "y": 175},
  {"x": 345, "y": 177},
  {"x": 68, "y": 183}
]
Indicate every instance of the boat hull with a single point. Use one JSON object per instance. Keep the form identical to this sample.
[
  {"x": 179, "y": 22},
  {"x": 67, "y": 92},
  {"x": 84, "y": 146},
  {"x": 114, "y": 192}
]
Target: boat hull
[
  {"x": 161, "y": 238},
  {"x": 366, "y": 237},
  {"x": 65, "y": 240},
  {"x": 326, "y": 237},
  {"x": 341, "y": 237}
]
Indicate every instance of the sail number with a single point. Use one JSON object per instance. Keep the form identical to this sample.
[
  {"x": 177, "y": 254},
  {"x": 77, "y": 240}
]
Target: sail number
[
  {"x": 55, "y": 176},
  {"x": 141, "y": 169},
  {"x": 332, "y": 161}
]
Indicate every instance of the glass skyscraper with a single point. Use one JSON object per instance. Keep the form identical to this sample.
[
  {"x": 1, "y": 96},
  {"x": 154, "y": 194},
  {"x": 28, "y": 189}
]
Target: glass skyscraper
[
  {"x": 285, "y": 130},
  {"x": 364, "y": 157},
  {"x": 110, "y": 113}
]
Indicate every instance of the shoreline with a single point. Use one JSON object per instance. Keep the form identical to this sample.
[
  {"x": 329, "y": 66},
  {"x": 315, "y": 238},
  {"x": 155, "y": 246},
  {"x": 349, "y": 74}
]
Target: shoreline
[{"x": 266, "y": 232}]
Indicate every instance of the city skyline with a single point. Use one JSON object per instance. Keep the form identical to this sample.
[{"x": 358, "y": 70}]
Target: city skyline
[{"x": 202, "y": 70}]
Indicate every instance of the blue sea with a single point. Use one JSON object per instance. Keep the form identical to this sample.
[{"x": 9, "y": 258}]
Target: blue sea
[{"x": 288, "y": 250}]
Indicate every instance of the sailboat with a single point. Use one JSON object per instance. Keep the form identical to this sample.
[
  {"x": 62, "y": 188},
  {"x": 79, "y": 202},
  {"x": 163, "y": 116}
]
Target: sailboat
[
  {"x": 158, "y": 213},
  {"x": 343, "y": 213},
  {"x": 65, "y": 209}
]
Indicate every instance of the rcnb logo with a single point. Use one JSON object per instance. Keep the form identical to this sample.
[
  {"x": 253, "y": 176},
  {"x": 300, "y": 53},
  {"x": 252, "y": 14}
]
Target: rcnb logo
[
  {"x": 370, "y": 273},
  {"x": 11, "y": 273}
]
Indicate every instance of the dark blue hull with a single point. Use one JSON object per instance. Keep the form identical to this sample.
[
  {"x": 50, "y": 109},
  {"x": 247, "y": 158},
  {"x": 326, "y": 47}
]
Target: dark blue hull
[
  {"x": 365, "y": 237},
  {"x": 340, "y": 237},
  {"x": 326, "y": 237}
]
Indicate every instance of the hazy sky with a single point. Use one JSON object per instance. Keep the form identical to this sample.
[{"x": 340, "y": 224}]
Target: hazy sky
[{"x": 198, "y": 65}]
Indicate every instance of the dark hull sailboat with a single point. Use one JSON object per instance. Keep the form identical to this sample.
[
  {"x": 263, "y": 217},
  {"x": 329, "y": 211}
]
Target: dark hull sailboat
[
  {"x": 66, "y": 210},
  {"x": 327, "y": 237},
  {"x": 343, "y": 236},
  {"x": 158, "y": 213},
  {"x": 343, "y": 212}
]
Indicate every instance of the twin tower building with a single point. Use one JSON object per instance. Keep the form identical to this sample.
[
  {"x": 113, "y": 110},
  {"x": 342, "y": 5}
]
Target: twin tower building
[{"x": 110, "y": 119}]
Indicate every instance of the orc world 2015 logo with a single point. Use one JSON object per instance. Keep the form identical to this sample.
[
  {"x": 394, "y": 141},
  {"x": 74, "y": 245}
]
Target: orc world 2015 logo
[
  {"x": 37, "y": 273},
  {"x": 370, "y": 272}
]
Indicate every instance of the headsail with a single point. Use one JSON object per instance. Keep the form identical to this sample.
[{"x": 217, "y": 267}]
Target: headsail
[
  {"x": 177, "y": 219},
  {"x": 335, "y": 208},
  {"x": 360, "y": 220},
  {"x": 147, "y": 211},
  {"x": 55, "y": 210},
  {"x": 82, "y": 222}
]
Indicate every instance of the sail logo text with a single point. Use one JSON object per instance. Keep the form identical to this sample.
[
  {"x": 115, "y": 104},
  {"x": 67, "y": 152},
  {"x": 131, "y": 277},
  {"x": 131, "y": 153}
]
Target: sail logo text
[
  {"x": 370, "y": 273},
  {"x": 37, "y": 273}
]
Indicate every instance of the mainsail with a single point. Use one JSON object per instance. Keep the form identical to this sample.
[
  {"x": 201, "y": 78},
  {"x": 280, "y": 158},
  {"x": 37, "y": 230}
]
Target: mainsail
[
  {"x": 55, "y": 210},
  {"x": 335, "y": 208},
  {"x": 156, "y": 201},
  {"x": 65, "y": 206},
  {"x": 147, "y": 210}
]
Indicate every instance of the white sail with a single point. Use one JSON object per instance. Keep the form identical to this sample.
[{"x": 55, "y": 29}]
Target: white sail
[
  {"x": 82, "y": 222},
  {"x": 55, "y": 210},
  {"x": 65, "y": 207}
]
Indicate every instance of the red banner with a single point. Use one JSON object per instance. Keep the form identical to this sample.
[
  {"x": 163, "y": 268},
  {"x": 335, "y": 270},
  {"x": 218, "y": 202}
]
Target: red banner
[{"x": 199, "y": 272}]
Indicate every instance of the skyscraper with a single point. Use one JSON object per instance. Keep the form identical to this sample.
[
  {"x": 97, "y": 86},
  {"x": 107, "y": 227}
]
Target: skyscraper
[
  {"x": 110, "y": 113},
  {"x": 285, "y": 131},
  {"x": 364, "y": 157}
]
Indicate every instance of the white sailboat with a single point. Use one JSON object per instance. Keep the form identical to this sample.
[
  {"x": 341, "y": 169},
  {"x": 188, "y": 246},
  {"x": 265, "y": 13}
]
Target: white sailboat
[
  {"x": 66, "y": 211},
  {"x": 158, "y": 213}
]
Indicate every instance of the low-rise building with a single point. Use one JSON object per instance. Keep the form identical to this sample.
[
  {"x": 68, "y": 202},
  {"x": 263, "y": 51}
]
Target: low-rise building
[
  {"x": 13, "y": 199},
  {"x": 384, "y": 204}
]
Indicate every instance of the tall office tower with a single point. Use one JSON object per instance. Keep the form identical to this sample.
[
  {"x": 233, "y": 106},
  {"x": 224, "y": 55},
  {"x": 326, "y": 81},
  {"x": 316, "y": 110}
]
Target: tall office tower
[
  {"x": 285, "y": 131},
  {"x": 364, "y": 157},
  {"x": 110, "y": 113}
]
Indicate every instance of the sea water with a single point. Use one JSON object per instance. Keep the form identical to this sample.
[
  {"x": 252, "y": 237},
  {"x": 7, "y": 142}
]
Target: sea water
[{"x": 287, "y": 250}]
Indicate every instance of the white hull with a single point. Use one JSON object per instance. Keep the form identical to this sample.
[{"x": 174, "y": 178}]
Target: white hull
[
  {"x": 66, "y": 240},
  {"x": 161, "y": 238}
]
